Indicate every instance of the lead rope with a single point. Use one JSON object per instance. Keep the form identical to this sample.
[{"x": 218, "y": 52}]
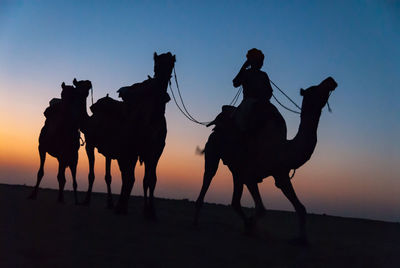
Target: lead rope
[
  {"x": 184, "y": 110},
  {"x": 295, "y": 104},
  {"x": 293, "y": 111},
  {"x": 186, "y": 113}
]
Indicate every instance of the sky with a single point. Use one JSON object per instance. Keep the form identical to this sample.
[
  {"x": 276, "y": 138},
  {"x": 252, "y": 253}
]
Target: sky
[{"x": 354, "y": 169}]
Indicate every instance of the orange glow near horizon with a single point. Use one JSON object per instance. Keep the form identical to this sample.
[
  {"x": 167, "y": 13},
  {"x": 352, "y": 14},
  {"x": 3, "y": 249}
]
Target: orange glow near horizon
[{"x": 180, "y": 173}]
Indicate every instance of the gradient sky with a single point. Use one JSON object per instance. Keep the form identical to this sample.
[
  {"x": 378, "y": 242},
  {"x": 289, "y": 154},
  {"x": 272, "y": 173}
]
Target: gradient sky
[{"x": 354, "y": 170}]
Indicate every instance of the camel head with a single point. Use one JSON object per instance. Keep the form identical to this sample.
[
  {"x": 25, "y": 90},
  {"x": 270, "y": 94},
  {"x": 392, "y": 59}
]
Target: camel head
[
  {"x": 316, "y": 97},
  {"x": 83, "y": 87},
  {"x": 163, "y": 65}
]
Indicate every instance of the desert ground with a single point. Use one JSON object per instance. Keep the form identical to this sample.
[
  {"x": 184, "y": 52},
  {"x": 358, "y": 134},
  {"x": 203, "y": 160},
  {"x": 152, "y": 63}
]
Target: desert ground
[{"x": 44, "y": 233}]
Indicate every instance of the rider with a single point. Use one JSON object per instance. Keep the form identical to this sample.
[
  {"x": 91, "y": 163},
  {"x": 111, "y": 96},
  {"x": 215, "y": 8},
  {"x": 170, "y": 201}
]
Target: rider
[{"x": 256, "y": 88}]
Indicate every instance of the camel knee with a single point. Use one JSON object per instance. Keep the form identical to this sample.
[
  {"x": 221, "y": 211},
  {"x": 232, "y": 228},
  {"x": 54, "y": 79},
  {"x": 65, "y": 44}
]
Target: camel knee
[
  {"x": 75, "y": 185},
  {"x": 280, "y": 184},
  {"x": 208, "y": 175},
  {"x": 152, "y": 183},
  {"x": 61, "y": 179}
]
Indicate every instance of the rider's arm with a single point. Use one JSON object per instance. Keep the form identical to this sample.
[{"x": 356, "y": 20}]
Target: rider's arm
[{"x": 238, "y": 80}]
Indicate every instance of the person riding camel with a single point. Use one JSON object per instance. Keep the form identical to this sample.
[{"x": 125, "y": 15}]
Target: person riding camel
[{"x": 257, "y": 89}]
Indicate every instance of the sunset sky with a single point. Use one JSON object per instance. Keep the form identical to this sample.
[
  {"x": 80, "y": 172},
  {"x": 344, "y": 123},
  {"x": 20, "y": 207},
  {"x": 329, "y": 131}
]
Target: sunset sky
[{"x": 354, "y": 171}]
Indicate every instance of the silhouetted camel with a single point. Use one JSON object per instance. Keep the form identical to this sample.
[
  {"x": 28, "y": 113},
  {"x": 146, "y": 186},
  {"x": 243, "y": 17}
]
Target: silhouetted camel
[
  {"x": 132, "y": 129},
  {"x": 268, "y": 153},
  {"x": 59, "y": 136}
]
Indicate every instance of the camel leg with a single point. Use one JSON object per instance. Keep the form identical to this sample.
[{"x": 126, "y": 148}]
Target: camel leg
[
  {"x": 255, "y": 193},
  {"x": 211, "y": 161},
  {"x": 110, "y": 203},
  {"x": 90, "y": 154},
  {"x": 42, "y": 155},
  {"x": 145, "y": 188},
  {"x": 128, "y": 178},
  {"x": 61, "y": 181},
  {"x": 237, "y": 195},
  {"x": 72, "y": 167},
  {"x": 282, "y": 181},
  {"x": 149, "y": 182}
]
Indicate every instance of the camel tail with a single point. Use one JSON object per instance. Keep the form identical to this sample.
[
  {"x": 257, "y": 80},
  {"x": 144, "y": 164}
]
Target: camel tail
[{"x": 199, "y": 151}]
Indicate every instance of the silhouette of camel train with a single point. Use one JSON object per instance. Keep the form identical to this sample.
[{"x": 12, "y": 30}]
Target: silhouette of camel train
[{"x": 135, "y": 129}]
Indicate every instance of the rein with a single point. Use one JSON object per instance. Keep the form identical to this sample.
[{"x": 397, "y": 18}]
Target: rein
[
  {"x": 295, "y": 104},
  {"x": 183, "y": 109}
]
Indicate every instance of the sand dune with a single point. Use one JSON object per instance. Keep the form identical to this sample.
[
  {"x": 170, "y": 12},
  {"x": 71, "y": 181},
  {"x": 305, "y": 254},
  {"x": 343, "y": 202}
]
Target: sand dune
[{"x": 43, "y": 233}]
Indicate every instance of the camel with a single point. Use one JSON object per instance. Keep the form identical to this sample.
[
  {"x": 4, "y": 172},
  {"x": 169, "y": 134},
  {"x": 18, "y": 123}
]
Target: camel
[
  {"x": 60, "y": 134},
  {"x": 267, "y": 153},
  {"x": 130, "y": 130}
]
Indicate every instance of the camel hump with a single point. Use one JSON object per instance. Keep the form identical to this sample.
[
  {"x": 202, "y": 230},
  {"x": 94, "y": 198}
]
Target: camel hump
[
  {"x": 107, "y": 106},
  {"x": 269, "y": 120},
  {"x": 136, "y": 91},
  {"x": 54, "y": 108},
  {"x": 54, "y": 101}
]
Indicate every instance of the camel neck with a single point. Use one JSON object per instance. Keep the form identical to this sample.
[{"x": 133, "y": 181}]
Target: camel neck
[
  {"x": 303, "y": 144},
  {"x": 83, "y": 117},
  {"x": 163, "y": 81},
  {"x": 308, "y": 124}
]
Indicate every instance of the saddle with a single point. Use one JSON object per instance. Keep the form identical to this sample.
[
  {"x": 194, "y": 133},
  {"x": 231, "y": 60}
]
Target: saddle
[
  {"x": 267, "y": 131},
  {"x": 263, "y": 115}
]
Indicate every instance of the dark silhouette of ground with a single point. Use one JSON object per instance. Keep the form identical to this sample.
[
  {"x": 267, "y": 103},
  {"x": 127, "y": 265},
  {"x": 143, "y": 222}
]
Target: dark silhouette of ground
[
  {"x": 47, "y": 234},
  {"x": 265, "y": 153}
]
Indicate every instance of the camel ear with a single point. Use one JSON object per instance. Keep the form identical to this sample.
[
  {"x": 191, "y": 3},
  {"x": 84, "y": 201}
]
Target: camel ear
[
  {"x": 302, "y": 91},
  {"x": 155, "y": 55},
  {"x": 74, "y": 82},
  {"x": 63, "y": 85}
]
